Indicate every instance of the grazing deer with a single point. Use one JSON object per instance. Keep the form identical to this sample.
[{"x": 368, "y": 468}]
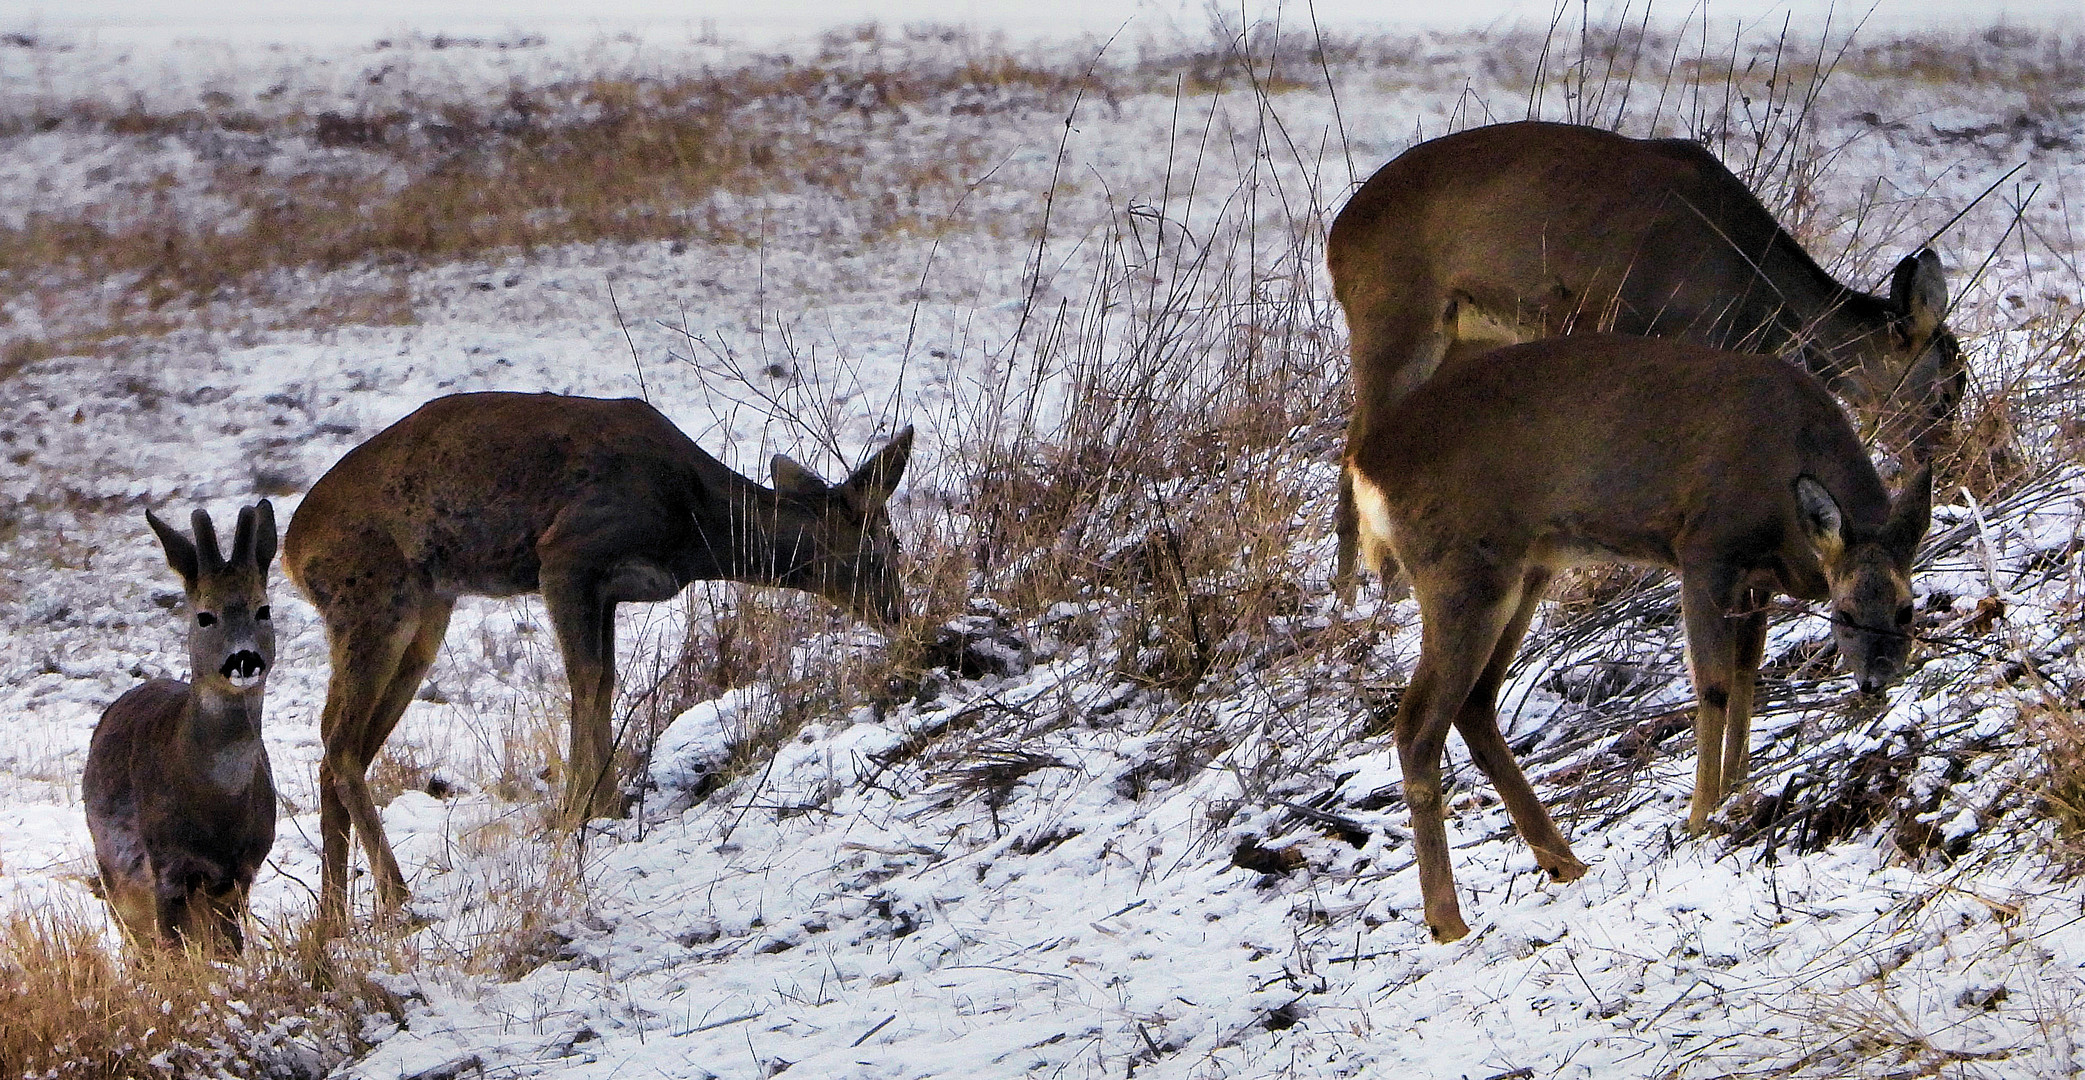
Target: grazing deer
[
  {"x": 1513, "y": 232},
  {"x": 1739, "y": 471},
  {"x": 589, "y": 502},
  {"x": 179, "y": 797}
]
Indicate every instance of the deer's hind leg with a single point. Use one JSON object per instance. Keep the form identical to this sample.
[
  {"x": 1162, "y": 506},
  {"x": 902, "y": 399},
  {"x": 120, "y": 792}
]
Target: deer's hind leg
[
  {"x": 1465, "y": 610},
  {"x": 429, "y": 627},
  {"x": 1479, "y": 724},
  {"x": 384, "y": 630}
]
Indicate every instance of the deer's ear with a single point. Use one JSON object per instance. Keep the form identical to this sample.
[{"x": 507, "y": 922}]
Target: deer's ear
[
  {"x": 1910, "y": 514},
  {"x": 181, "y": 554},
  {"x": 263, "y": 537},
  {"x": 794, "y": 479},
  {"x": 1918, "y": 294},
  {"x": 1823, "y": 523},
  {"x": 872, "y": 484}
]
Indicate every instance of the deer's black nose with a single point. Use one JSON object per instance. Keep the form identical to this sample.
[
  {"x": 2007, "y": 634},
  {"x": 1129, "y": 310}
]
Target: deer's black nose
[
  {"x": 1877, "y": 678},
  {"x": 244, "y": 664}
]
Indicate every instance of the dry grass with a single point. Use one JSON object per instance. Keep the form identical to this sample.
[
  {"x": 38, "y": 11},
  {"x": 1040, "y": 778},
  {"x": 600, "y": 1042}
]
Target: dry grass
[
  {"x": 2058, "y": 727},
  {"x": 605, "y": 159},
  {"x": 71, "y": 1006},
  {"x": 1134, "y": 478}
]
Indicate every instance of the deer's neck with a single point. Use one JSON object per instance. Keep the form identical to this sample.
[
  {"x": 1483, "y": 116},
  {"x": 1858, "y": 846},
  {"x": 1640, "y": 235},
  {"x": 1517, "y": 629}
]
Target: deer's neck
[
  {"x": 221, "y": 737},
  {"x": 753, "y": 535},
  {"x": 1835, "y": 324}
]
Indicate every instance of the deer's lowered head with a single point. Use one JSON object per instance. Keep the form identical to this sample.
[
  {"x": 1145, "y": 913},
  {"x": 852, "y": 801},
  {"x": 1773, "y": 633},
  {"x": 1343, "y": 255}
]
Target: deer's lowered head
[
  {"x": 1867, "y": 574},
  {"x": 1893, "y": 356},
  {"x": 844, "y": 548},
  {"x": 231, "y": 645}
]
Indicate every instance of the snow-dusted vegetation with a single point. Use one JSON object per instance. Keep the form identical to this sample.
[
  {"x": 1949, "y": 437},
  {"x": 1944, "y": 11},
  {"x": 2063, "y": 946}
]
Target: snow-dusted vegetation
[{"x": 1120, "y": 800}]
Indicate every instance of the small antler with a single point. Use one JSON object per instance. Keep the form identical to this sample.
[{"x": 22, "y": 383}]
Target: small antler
[{"x": 242, "y": 538}]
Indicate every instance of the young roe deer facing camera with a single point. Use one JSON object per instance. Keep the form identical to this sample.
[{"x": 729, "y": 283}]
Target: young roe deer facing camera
[
  {"x": 1519, "y": 231},
  {"x": 589, "y": 502},
  {"x": 179, "y": 797},
  {"x": 1739, "y": 471}
]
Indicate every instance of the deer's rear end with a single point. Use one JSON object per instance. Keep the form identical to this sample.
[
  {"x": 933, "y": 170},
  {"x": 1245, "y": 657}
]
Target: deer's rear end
[{"x": 1738, "y": 471}]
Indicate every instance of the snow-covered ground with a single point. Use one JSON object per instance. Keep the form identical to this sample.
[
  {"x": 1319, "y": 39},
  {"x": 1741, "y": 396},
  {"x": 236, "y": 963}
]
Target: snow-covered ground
[{"x": 1064, "y": 889}]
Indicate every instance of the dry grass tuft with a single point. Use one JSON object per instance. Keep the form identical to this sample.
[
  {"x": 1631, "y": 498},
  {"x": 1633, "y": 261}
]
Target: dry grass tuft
[
  {"x": 2059, "y": 729},
  {"x": 72, "y": 1007}
]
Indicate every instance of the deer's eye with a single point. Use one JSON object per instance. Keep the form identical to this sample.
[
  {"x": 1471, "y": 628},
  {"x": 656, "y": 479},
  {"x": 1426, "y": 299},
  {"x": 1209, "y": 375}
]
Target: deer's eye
[
  {"x": 1904, "y": 615},
  {"x": 204, "y": 618},
  {"x": 261, "y": 613}
]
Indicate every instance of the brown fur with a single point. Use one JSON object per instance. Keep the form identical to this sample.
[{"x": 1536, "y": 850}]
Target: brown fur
[
  {"x": 1739, "y": 471},
  {"x": 1518, "y": 231},
  {"x": 590, "y": 502},
  {"x": 179, "y": 796}
]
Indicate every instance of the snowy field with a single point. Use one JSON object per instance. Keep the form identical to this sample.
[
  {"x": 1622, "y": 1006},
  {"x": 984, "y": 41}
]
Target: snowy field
[{"x": 1064, "y": 862}]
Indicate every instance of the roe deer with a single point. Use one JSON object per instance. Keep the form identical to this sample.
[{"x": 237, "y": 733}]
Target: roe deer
[
  {"x": 179, "y": 797},
  {"x": 1518, "y": 231},
  {"x": 590, "y": 502},
  {"x": 1739, "y": 471}
]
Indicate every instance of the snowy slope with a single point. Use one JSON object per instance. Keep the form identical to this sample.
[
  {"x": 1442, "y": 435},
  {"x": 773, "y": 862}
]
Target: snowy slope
[{"x": 1056, "y": 870}]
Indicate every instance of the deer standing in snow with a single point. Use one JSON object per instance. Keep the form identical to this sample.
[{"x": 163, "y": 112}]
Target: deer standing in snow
[
  {"x": 1519, "y": 231},
  {"x": 1739, "y": 471},
  {"x": 180, "y": 800},
  {"x": 589, "y": 502}
]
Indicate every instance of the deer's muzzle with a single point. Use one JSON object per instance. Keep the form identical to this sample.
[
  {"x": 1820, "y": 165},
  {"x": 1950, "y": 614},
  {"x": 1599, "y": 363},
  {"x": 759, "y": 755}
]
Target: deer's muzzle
[{"x": 243, "y": 668}]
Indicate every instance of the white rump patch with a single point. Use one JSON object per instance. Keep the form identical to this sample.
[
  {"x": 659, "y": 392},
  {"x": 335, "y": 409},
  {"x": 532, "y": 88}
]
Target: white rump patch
[{"x": 1372, "y": 511}]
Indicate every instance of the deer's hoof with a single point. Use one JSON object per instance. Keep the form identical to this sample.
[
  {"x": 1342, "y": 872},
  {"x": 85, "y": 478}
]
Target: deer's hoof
[{"x": 1447, "y": 928}]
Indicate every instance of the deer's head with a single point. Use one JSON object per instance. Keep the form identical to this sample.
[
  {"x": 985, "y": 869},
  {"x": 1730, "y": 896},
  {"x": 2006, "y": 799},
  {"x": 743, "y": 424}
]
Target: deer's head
[
  {"x": 1869, "y": 573},
  {"x": 853, "y": 556},
  {"x": 231, "y": 637},
  {"x": 1921, "y": 359}
]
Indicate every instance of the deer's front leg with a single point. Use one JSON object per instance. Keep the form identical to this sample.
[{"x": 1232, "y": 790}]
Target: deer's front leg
[
  {"x": 585, "y": 625},
  {"x": 1712, "y": 663},
  {"x": 1737, "y": 723}
]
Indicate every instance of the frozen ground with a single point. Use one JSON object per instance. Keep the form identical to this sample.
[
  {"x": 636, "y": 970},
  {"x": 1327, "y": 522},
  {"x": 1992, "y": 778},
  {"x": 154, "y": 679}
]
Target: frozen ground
[{"x": 866, "y": 907}]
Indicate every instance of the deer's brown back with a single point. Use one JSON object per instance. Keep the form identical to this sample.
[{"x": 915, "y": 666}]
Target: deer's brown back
[
  {"x": 1614, "y": 446},
  {"x": 1559, "y": 226},
  {"x": 466, "y": 485}
]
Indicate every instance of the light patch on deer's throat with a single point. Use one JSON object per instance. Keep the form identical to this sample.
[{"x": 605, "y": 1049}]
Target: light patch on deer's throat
[
  {"x": 1477, "y": 330},
  {"x": 1372, "y": 514},
  {"x": 232, "y": 767}
]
